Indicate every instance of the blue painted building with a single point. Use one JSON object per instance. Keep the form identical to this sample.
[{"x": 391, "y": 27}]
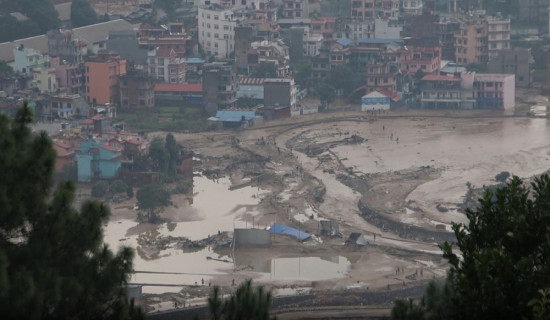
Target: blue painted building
[{"x": 97, "y": 160}]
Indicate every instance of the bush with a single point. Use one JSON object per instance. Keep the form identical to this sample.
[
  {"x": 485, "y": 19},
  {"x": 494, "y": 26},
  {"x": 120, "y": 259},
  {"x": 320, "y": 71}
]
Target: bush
[
  {"x": 100, "y": 189},
  {"x": 183, "y": 187},
  {"x": 503, "y": 176},
  {"x": 118, "y": 186},
  {"x": 130, "y": 191}
]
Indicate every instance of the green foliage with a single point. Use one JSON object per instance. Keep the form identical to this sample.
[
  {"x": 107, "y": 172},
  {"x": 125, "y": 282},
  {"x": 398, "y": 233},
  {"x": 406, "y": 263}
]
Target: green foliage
[
  {"x": 42, "y": 18},
  {"x": 183, "y": 187},
  {"x": 82, "y": 14},
  {"x": 118, "y": 186},
  {"x": 541, "y": 305},
  {"x": 265, "y": 70},
  {"x": 173, "y": 154},
  {"x": 13, "y": 29},
  {"x": 100, "y": 189},
  {"x": 327, "y": 94},
  {"x": 159, "y": 155},
  {"x": 245, "y": 102},
  {"x": 302, "y": 74},
  {"x": 406, "y": 310},
  {"x": 341, "y": 79},
  {"x": 130, "y": 191},
  {"x": 53, "y": 263},
  {"x": 6, "y": 71},
  {"x": 150, "y": 198},
  {"x": 245, "y": 303},
  {"x": 504, "y": 256},
  {"x": 503, "y": 176}
]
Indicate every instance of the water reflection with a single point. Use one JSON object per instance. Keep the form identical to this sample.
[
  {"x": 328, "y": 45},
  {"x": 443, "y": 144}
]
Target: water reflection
[{"x": 293, "y": 268}]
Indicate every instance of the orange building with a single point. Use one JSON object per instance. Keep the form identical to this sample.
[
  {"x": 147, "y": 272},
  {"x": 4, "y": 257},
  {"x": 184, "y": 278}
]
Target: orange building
[{"x": 102, "y": 78}]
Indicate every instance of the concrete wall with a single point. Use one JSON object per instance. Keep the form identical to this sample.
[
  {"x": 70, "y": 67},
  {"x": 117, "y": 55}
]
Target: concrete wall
[{"x": 251, "y": 237}]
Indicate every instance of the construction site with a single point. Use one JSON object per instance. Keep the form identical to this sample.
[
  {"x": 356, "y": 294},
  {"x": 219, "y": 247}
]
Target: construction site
[{"x": 325, "y": 205}]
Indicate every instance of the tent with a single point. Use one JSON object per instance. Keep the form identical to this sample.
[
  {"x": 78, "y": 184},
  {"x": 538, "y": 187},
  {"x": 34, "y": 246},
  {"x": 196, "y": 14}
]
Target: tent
[
  {"x": 278, "y": 228},
  {"x": 357, "y": 239}
]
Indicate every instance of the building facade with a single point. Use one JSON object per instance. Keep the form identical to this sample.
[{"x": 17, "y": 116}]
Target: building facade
[
  {"x": 518, "y": 61},
  {"x": 220, "y": 86},
  {"x": 136, "y": 90},
  {"x": 216, "y": 30},
  {"x": 102, "y": 78}
]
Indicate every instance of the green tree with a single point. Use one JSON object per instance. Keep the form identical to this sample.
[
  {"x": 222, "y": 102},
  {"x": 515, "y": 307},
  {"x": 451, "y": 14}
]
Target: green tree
[
  {"x": 341, "y": 79},
  {"x": 150, "y": 198},
  {"x": 327, "y": 94},
  {"x": 505, "y": 253},
  {"x": 41, "y": 13},
  {"x": 82, "y": 14},
  {"x": 160, "y": 157},
  {"x": 173, "y": 154},
  {"x": 246, "y": 303},
  {"x": 302, "y": 74},
  {"x": 6, "y": 71},
  {"x": 245, "y": 102},
  {"x": 100, "y": 189},
  {"x": 265, "y": 70},
  {"x": 53, "y": 263}
]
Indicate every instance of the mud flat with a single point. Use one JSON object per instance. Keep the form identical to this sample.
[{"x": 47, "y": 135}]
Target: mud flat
[{"x": 397, "y": 180}]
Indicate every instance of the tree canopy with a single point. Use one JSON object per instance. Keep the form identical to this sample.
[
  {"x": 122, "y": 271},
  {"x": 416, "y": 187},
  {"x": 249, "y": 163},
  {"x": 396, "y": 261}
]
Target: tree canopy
[
  {"x": 53, "y": 263},
  {"x": 327, "y": 94},
  {"x": 341, "y": 79},
  {"x": 265, "y": 70},
  {"x": 245, "y": 303},
  {"x": 151, "y": 197},
  {"x": 42, "y": 18},
  {"x": 82, "y": 14},
  {"x": 505, "y": 251}
]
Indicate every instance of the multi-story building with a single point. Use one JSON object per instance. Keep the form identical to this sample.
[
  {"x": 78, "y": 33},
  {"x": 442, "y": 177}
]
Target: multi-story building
[
  {"x": 518, "y": 61},
  {"x": 243, "y": 39},
  {"x": 275, "y": 52},
  {"x": 495, "y": 91},
  {"x": 65, "y": 106},
  {"x": 63, "y": 44},
  {"x": 220, "y": 86},
  {"x": 385, "y": 28},
  {"x": 102, "y": 78},
  {"x": 69, "y": 76},
  {"x": 381, "y": 75},
  {"x": 469, "y": 91},
  {"x": 417, "y": 56},
  {"x": 293, "y": 9},
  {"x": 280, "y": 92},
  {"x": 359, "y": 29},
  {"x": 27, "y": 59},
  {"x": 471, "y": 43},
  {"x": 534, "y": 11},
  {"x": 166, "y": 66},
  {"x": 498, "y": 35},
  {"x": 217, "y": 30},
  {"x": 237, "y": 4},
  {"x": 412, "y": 7},
  {"x": 44, "y": 80},
  {"x": 324, "y": 26},
  {"x": 369, "y": 9},
  {"x": 136, "y": 90}
]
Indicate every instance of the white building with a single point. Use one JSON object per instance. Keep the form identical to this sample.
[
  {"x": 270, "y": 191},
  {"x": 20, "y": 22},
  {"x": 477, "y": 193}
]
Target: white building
[
  {"x": 360, "y": 29},
  {"x": 217, "y": 30},
  {"x": 237, "y": 4},
  {"x": 375, "y": 101},
  {"x": 412, "y": 7},
  {"x": 498, "y": 35},
  {"x": 387, "y": 29}
]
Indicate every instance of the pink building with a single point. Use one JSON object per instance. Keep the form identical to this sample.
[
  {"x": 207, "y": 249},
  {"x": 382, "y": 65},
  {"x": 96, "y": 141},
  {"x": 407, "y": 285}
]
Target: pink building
[
  {"x": 495, "y": 91},
  {"x": 426, "y": 59},
  {"x": 69, "y": 77}
]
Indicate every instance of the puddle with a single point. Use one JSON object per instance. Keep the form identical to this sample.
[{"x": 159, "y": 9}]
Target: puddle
[
  {"x": 214, "y": 207},
  {"x": 297, "y": 268}
]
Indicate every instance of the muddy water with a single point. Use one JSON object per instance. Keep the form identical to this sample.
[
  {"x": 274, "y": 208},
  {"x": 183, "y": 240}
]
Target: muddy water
[{"x": 214, "y": 208}]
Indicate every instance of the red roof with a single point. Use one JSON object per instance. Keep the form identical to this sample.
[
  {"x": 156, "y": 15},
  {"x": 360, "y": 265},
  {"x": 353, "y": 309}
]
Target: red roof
[
  {"x": 435, "y": 77},
  {"x": 88, "y": 121},
  {"x": 178, "y": 87},
  {"x": 392, "y": 95},
  {"x": 110, "y": 148},
  {"x": 165, "y": 52}
]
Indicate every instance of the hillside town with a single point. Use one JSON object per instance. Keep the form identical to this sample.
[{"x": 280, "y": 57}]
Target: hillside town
[{"x": 346, "y": 126}]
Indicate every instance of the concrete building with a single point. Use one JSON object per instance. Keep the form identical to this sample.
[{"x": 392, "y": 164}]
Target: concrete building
[
  {"x": 518, "y": 61},
  {"x": 44, "y": 80},
  {"x": 375, "y": 101},
  {"x": 97, "y": 160},
  {"x": 27, "y": 59},
  {"x": 385, "y": 28},
  {"x": 280, "y": 92},
  {"x": 381, "y": 75},
  {"x": 420, "y": 55},
  {"x": 495, "y": 91},
  {"x": 136, "y": 90},
  {"x": 69, "y": 76},
  {"x": 412, "y": 7},
  {"x": 165, "y": 65},
  {"x": 359, "y": 29},
  {"x": 216, "y": 30},
  {"x": 179, "y": 94},
  {"x": 220, "y": 86},
  {"x": 293, "y": 9},
  {"x": 243, "y": 39},
  {"x": 67, "y": 106},
  {"x": 369, "y": 9},
  {"x": 444, "y": 92},
  {"x": 102, "y": 78},
  {"x": 498, "y": 35},
  {"x": 324, "y": 26},
  {"x": 471, "y": 43},
  {"x": 534, "y": 11},
  {"x": 237, "y": 4},
  {"x": 62, "y": 44}
]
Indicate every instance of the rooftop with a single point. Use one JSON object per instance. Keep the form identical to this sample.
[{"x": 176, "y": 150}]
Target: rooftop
[
  {"x": 435, "y": 77},
  {"x": 178, "y": 87}
]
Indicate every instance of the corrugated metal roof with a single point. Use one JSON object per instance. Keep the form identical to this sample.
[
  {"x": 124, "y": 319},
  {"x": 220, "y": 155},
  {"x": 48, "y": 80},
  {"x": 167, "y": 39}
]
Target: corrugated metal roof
[{"x": 251, "y": 81}]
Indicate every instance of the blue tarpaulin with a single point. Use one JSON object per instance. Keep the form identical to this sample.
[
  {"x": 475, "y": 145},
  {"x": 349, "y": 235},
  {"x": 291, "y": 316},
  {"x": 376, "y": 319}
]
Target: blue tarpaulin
[{"x": 278, "y": 228}]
